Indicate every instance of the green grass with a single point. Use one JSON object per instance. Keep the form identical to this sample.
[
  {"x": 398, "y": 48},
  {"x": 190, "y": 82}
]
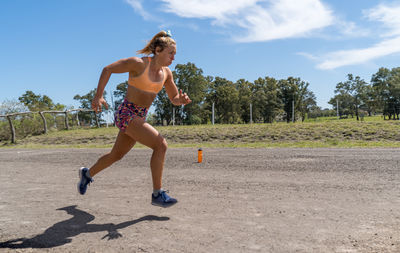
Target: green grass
[
  {"x": 349, "y": 119},
  {"x": 372, "y": 132}
]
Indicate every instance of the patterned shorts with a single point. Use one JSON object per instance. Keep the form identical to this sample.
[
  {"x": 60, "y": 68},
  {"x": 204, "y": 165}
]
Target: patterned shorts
[{"x": 128, "y": 111}]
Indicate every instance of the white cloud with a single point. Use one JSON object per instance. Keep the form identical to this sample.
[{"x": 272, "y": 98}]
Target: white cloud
[
  {"x": 214, "y": 9},
  {"x": 358, "y": 56},
  {"x": 350, "y": 29},
  {"x": 308, "y": 56},
  {"x": 283, "y": 19},
  {"x": 262, "y": 20},
  {"x": 137, "y": 6},
  {"x": 389, "y": 17}
]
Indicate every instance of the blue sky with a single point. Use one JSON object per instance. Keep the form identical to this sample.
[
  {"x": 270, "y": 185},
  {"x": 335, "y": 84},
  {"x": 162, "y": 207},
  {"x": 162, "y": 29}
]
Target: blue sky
[{"x": 59, "y": 47}]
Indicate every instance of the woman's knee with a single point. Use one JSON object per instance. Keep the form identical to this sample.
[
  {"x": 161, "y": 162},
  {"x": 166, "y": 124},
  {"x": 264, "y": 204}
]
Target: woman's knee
[{"x": 161, "y": 145}]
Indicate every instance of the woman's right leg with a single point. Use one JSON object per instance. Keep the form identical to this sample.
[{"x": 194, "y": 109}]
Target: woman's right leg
[{"x": 122, "y": 145}]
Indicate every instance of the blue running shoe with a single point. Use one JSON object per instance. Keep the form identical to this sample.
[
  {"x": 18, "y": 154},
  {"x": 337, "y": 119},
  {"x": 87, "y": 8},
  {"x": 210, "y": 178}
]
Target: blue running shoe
[
  {"x": 163, "y": 200},
  {"x": 84, "y": 180}
]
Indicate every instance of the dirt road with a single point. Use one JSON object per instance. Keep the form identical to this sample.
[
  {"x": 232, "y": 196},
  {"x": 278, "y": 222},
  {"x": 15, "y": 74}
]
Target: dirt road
[{"x": 237, "y": 200}]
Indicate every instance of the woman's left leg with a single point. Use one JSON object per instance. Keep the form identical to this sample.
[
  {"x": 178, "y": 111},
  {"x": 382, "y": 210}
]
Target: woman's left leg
[
  {"x": 147, "y": 135},
  {"x": 122, "y": 145}
]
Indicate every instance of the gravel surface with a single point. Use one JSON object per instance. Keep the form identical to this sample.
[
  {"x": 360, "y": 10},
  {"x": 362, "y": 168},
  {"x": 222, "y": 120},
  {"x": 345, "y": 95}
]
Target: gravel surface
[{"x": 237, "y": 200}]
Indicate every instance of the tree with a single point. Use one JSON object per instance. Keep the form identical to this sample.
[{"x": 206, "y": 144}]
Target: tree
[
  {"x": 86, "y": 103},
  {"x": 36, "y": 102},
  {"x": 289, "y": 95},
  {"x": 30, "y": 99},
  {"x": 394, "y": 84},
  {"x": 210, "y": 97},
  {"x": 381, "y": 90},
  {"x": 308, "y": 103},
  {"x": 86, "y": 100},
  {"x": 356, "y": 88},
  {"x": 345, "y": 102},
  {"x": 317, "y": 111},
  {"x": 163, "y": 108},
  {"x": 228, "y": 103},
  {"x": 296, "y": 98},
  {"x": 266, "y": 99},
  {"x": 245, "y": 98},
  {"x": 190, "y": 79},
  {"x": 225, "y": 96},
  {"x": 370, "y": 104},
  {"x": 12, "y": 106},
  {"x": 120, "y": 94}
]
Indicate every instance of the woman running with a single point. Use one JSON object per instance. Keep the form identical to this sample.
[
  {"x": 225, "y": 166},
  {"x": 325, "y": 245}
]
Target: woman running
[{"x": 147, "y": 76}]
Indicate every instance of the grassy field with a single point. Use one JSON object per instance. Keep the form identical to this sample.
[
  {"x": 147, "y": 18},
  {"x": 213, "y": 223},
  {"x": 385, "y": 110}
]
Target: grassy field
[{"x": 328, "y": 132}]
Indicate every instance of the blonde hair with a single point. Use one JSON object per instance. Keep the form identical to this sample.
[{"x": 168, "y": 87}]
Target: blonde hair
[{"x": 161, "y": 39}]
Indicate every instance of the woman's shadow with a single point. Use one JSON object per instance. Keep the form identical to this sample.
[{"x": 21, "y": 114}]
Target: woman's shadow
[{"x": 62, "y": 232}]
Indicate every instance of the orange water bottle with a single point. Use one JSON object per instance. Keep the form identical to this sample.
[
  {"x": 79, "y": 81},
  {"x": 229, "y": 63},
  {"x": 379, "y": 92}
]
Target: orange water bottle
[{"x": 199, "y": 155}]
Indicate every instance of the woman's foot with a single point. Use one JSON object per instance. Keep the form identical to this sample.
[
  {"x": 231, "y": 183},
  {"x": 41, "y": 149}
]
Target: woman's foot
[
  {"x": 84, "y": 180},
  {"x": 162, "y": 199}
]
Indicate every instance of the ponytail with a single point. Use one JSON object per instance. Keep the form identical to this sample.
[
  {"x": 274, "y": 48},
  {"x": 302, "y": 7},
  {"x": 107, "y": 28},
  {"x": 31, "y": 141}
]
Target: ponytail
[{"x": 162, "y": 39}]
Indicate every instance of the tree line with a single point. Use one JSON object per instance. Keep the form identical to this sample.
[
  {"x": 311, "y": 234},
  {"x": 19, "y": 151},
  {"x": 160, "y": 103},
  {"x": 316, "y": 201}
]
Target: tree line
[
  {"x": 265, "y": 100},
  {"x": 381, "y": 95},
  {"x": 272, "y": 100}
]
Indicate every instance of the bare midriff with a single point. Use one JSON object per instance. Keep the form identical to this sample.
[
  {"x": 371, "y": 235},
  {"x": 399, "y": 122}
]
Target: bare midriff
[{"x": 140, "y": 97}]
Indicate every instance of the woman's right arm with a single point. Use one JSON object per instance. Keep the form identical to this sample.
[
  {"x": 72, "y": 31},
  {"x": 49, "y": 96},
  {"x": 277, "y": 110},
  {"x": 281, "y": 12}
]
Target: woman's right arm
[{"x": 132, "y": 64}]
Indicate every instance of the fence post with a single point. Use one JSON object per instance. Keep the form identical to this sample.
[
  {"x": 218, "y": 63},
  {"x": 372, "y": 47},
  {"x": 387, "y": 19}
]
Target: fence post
[
  {"x": 97, "y": 120},
  {"x": 12, "y": 129},
  {"x": 173, "y": 116},
  {"x": 55, "y": 120},
  {"x": 77, "y": 119},
  {"x": 213, "y": 114},
  {"x": 44, "y": 122},
  {"x": 66, "y": 120},
  {"x": 251, "y": 113}
]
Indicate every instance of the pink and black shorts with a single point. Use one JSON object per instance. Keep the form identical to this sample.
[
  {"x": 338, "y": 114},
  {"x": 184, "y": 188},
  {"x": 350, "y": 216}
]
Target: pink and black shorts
[{"x": 128, "y": 111}]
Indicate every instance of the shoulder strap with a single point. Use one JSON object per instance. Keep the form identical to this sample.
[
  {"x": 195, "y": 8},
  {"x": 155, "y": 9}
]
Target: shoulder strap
[{"x": 146, "y": 69}]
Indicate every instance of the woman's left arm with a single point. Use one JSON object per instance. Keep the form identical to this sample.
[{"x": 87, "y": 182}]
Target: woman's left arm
[{"x": 176, "y": 98}]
